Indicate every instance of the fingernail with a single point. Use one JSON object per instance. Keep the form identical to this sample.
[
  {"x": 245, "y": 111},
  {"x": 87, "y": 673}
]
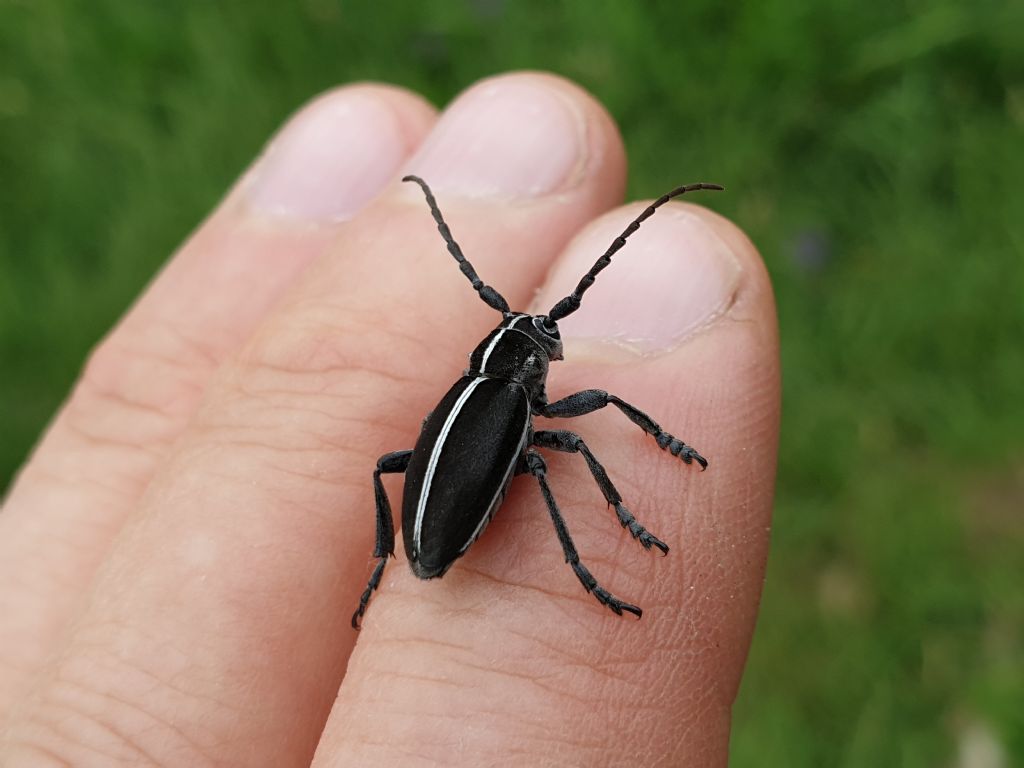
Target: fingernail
[
  {"x": 674, "y": 276},
  {"x": 330, "y": 160},
  {"x": 513, "y": 138}
]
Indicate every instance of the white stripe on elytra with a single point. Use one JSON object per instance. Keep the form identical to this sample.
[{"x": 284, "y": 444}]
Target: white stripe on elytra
[
  {"x": 435, "y": 456},
  {"x": 494, "y": 342},
  {"x": 490, "y": 348}
]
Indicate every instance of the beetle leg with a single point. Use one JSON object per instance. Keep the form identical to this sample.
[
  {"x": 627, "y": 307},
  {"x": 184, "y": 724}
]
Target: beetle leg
[
  {"x": 570, "y": 442},
  {"x": 538, "y": 468},
  {"x": 389, "y": 463},
  {"x": 590, "y": 400}
]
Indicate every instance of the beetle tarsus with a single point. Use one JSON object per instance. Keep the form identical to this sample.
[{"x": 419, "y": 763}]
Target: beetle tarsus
[
  {"x": 389, "y": 463},
  {"x": 641, "y": 534},
  {"x": 604, "y": 597},
  {"x": 678, "y": 448},
  {"x": 365, "y": 598}
]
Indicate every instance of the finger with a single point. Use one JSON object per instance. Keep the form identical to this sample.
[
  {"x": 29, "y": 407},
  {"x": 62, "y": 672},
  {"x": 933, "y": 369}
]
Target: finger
[
  {"x": 219, "y": 630},
  {"x": 508, "y": 660},
  {"x": 143, "y": 383}
]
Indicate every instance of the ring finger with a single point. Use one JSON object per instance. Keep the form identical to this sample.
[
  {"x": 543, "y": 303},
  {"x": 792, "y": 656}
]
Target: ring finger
[{"x": 143, "y": 383}]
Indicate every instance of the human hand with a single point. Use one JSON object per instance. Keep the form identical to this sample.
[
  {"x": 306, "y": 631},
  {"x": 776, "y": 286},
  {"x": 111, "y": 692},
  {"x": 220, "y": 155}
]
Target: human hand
[{"x": 181, "y": 555}]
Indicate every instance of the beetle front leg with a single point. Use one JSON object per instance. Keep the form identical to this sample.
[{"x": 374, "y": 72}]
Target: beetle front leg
[
  {"x": 570, "y": 442},
  {"x": 536, "y": 466},
  {"x": 590, "y": 400},
  {"x": 389, "y": 463}
]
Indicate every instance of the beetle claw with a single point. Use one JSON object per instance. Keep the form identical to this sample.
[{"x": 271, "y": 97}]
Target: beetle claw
[
  {"x": 635, "y": 610},
  {"x": 614, "y": 604},
  {"x": 637, "y": 531},
  {"x": 650, "y": 540}
]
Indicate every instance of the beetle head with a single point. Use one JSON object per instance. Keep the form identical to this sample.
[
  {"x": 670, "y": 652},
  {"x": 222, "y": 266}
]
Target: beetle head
[{"x": 545, "y": 331}]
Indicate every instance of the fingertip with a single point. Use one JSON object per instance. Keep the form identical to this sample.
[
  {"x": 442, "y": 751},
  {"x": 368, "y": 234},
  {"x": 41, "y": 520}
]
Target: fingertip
[
  {"x": 413, "y": 114},
  {"x": 605, "y": 147},
  {"x": 524, "y": 136},
  {"x": 753, "y": 297},
  {"x": 336, "y": 153},
  {"x": 685, "y": 268}
]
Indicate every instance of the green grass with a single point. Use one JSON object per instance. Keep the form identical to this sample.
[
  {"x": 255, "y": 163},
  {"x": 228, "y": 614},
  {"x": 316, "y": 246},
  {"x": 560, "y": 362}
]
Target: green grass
[{"x": 875, "y": 153}]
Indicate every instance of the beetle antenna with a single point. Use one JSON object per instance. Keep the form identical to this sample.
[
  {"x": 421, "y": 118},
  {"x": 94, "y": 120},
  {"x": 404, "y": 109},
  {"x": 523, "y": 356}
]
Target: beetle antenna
[
  {"x": 490, "y": 296},
  {"x": 571, "y": 303}
]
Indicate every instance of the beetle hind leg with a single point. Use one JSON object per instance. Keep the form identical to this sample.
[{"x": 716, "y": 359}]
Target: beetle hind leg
[
  {"x": 570, "y": 442},
  {"x": 536, "y": 466},
  {"x": 389, "y": 463}
]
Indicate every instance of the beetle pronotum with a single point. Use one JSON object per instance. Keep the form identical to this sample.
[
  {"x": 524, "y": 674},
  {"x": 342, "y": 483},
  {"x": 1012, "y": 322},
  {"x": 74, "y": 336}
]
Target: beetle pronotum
[{"x": 481, "y": 434}]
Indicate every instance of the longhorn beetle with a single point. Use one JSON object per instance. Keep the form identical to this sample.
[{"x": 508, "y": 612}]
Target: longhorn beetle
[{"x": 481, "y": 434}]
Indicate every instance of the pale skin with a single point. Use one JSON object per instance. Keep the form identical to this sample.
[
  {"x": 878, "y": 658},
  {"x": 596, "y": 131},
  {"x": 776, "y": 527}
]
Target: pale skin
[{"x": 182, "y": 553}]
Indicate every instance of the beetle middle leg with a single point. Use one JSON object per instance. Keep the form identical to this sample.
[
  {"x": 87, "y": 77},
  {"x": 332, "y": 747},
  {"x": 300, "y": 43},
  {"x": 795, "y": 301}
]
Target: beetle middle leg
[
  {"x": 537, "y": 467},
  {"x": 389, "y": 463},
  {"x": 570, "y": 442},
  {"x": 590, "y": 400}
]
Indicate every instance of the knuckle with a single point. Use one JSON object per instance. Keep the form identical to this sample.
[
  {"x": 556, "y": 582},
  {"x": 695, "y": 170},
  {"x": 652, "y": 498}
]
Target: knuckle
[
  {"x": 318, "y": 347},
  {"x": 132, "y": 398},
  {"x": 135, "y": 392},
  {"x": 313, "y": 402}
]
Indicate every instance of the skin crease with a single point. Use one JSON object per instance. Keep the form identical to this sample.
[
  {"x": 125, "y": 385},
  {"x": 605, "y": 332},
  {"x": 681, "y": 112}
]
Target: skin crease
[{"x": 192, "y": 608}]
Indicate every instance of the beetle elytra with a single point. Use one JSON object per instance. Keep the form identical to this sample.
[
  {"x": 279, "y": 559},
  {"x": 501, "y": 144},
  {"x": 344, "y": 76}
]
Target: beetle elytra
[{"x": 481, "y": 434}]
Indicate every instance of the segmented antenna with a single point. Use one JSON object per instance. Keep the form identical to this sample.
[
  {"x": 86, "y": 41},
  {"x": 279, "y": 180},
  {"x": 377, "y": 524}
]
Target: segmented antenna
[
  {"x": 489, "y": 295},
  {"x": 571, "y": 303}
]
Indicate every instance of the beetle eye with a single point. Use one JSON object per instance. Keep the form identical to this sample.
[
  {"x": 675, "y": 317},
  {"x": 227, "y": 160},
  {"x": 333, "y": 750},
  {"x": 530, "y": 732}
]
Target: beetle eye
[{"x": 548, "y": 326}]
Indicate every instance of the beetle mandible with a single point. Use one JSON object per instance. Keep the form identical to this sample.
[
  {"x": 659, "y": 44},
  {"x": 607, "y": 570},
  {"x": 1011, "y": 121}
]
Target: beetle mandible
[{"x": 481, "y": 434}]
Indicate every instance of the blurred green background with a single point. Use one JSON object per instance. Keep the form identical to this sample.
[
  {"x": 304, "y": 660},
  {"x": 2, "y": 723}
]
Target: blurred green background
[{"x": 873, "y": 151}]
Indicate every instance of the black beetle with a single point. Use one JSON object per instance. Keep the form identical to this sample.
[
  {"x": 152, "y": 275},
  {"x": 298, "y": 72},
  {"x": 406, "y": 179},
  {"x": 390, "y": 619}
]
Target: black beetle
[{"x": 481, "y": 434}]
